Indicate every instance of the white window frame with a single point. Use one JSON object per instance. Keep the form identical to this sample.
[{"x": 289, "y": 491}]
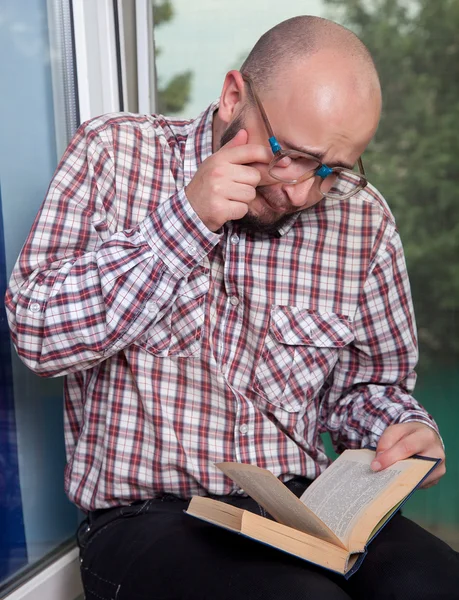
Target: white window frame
[
  {"x": 96, "y": 57},
  {"x": 98, "y": 71},
  {"x": 98, "y": 87},
  {"x": 146, "y": 74},
  {"x": 59, "y": 581}
]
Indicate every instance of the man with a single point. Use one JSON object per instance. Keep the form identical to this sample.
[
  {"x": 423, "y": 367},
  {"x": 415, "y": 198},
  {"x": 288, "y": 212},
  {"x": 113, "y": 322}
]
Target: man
[{"x": 214, "y": 297}]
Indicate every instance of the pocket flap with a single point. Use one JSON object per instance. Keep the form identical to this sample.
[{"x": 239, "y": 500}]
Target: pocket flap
[
  {"x": 297, "y": 326},
  {"x": 196, "y": 284}
]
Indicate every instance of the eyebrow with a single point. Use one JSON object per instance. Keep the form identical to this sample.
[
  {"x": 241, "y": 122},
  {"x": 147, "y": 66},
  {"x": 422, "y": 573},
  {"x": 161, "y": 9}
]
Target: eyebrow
[{"x": 318, "y": 155}]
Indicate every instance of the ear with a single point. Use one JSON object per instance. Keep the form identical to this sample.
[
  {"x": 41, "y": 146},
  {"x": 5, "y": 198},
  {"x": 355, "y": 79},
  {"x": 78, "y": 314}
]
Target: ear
[{"x": 232, "y": 97}]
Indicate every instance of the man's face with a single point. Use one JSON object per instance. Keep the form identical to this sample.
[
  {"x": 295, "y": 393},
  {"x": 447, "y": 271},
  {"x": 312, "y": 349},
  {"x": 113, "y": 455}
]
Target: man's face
[
  {"x": 271, "y": 209},
  {"x": 311, "y": 110}
]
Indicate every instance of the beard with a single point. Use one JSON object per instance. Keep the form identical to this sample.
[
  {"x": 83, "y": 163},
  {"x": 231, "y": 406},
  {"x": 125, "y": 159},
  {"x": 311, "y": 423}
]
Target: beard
[{"x": 268, "y": 221}]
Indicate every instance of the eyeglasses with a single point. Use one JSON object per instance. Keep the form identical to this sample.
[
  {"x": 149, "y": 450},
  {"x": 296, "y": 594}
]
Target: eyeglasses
[{"x": 293, "y": 167}]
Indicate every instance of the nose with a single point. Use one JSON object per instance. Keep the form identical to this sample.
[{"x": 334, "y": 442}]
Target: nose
[{"x": 301, "y": 193}]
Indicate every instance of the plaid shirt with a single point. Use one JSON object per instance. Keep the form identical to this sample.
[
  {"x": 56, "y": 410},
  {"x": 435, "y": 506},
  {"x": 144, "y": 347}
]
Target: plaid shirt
[{"x": 182, "y": 347}]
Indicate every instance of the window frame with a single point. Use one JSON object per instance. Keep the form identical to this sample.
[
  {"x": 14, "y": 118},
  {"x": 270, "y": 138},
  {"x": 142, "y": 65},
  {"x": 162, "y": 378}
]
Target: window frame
[{"x": 102, "y": 61}]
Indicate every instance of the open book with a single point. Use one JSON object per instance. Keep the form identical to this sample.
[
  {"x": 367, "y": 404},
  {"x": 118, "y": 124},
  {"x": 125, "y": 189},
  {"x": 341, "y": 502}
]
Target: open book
[{"x": 335, "y": 519}]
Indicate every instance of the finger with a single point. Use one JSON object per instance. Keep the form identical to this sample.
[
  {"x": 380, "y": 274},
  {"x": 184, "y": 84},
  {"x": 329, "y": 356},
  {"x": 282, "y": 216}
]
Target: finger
[
  {"x": 248, "y": 153},
  {"x": 237, "y": 210},
  {"x": 436, "y": 474},
  {"x": 392, "y": 435},
  {"x": 408, "y": 445},
  {"x": 239, "y": 139},
  {"x": 434, "y": 477},
  {"x": 284, "y": 162},
  {"x": 240, "y": 192},
  {"x": 244, "y": 174}
]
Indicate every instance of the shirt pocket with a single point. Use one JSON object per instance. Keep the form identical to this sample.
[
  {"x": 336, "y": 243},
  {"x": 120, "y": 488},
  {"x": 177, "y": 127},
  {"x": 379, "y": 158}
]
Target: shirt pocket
[
  {"x": 300, "y": 351},
  {"x": 179, "y": 331}
]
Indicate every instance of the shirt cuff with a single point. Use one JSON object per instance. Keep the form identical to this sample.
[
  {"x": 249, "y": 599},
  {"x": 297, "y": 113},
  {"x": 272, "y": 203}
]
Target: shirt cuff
[{"x": 177, "y": 235}]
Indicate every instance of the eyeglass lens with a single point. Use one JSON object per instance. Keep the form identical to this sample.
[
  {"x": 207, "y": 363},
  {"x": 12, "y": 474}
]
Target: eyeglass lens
[{"x": 292, "y": 167}]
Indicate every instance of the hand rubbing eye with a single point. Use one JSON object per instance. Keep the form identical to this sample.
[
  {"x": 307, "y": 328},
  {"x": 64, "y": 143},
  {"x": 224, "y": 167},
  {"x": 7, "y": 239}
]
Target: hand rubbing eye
[{"x": 284, "y": 162}]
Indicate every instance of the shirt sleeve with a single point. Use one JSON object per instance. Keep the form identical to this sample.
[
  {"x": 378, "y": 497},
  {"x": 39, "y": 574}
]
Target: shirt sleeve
[
  {"x": 371, "y": 385},
  {"x": 81, "y": 290}
]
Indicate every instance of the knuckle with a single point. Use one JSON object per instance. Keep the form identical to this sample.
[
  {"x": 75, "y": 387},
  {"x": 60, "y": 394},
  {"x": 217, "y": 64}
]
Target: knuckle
[
  {"x": 384, "y": 442},
  {"x": 408, "y": 447},
  {"x": 217, "y": 172},
  {"x": 256, "y": 176},
  {"x": 388, "y": 457},
  {"x": 215, "y": 188},
  {"x": 251, "y": 193}
]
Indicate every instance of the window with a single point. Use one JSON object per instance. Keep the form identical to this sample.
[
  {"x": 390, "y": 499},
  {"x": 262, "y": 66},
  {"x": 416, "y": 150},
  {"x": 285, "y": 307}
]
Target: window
[{"x": 37, "y": 114}]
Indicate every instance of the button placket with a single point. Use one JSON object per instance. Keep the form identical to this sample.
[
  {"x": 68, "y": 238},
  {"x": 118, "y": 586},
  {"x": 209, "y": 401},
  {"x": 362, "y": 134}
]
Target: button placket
[{"x": 231, "y": 324}]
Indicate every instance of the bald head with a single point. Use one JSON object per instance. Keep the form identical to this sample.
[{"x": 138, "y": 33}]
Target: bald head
[
  {"x": 320, "y": 93},
  {"x": 297, "y": 40}
]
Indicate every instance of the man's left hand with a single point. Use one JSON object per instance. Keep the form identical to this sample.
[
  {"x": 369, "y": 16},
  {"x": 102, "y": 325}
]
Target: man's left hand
[{"x": 405, "y": 439}]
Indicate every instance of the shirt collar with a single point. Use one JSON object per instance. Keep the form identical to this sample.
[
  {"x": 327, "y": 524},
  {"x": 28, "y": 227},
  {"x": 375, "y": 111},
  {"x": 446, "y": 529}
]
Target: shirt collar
[
  {"x": 198, "y": 147},
  {"x": 285, "y": 228}
]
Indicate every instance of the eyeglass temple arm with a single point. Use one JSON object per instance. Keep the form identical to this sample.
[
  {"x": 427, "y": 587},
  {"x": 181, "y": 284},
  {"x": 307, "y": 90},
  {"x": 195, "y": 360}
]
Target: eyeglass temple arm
[
  {"x": 275, "y": 146},
  {"x": 361, "y": 167}
]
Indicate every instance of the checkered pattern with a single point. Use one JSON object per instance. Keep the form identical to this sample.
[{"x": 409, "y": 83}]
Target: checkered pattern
[{"x": 182, "y": 347}]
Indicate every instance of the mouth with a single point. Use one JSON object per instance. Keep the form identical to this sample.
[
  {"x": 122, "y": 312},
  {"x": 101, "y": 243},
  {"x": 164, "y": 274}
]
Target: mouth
[{"x": 274, "y": 207}]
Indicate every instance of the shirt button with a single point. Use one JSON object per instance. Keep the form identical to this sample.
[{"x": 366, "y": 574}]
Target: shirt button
[
  {"x": 152, "y": 306},
  {"x": 224, "y": 369},
  {"x": 192, "y": 250},
  {"x": 234, "y": 300},
  {"x": 34, "y": 307},
  {"x": 244, "y": 429},
  {"x": 235, "y": 239}
]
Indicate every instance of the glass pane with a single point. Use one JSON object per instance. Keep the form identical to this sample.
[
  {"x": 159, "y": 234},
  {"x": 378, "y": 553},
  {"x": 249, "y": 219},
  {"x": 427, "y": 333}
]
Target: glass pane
[
  {"x": 213, "y": 37},
  {"x": 35, "y": 516},
  {"x": 413, "y": 160}
]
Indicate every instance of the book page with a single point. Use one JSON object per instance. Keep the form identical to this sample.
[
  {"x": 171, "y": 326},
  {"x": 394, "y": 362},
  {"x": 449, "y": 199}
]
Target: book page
[
  {"x": 343, "y": 492},
  {"x": 277, "y": 500}
]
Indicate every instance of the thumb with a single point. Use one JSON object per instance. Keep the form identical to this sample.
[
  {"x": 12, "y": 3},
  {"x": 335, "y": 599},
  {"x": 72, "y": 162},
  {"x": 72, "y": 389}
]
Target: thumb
[
  {"x": 239, "y": 139},
  {"x": 391, "y": 436}
]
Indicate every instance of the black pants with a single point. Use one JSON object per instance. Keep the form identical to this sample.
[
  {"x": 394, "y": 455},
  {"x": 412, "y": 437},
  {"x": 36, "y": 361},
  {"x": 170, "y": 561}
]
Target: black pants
[{"x": 153, "y": 551}]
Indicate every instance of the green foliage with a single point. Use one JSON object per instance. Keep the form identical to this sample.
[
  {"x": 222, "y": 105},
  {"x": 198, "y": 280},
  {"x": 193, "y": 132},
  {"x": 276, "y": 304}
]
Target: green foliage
[
  {"x": 414, "y": 157},
  {"x": 163, "y": 11},
  {"x": 173, "y": 95}
]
